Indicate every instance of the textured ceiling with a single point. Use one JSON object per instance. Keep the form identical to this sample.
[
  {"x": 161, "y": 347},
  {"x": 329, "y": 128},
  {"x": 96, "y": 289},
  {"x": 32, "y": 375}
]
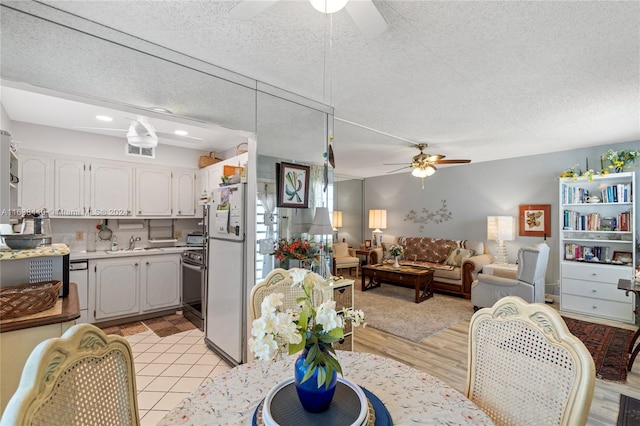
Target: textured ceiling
[{"x": 475, "y": 79}]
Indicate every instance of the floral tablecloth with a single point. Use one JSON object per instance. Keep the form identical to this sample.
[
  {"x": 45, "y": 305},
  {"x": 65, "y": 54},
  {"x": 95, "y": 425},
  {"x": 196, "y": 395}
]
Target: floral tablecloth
[{"x": 411, "y": 396}]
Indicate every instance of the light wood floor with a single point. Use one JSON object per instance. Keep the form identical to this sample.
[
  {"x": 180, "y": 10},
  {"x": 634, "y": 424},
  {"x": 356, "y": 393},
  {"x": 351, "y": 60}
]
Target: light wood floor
[{"x": 445, "y": 356}]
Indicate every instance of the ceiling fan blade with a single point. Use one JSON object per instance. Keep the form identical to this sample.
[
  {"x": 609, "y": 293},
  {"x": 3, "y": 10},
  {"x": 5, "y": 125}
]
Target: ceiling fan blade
[
  {"x": 405, "y": 167},
  {"x": 182, "y": 138},
  {"x": 101, "y": 128},
  {"x": 367, "y": 18},
  {"x": 452, "y": 161},
  {"x": 246, "y": 10},
  {"x": 435, "y": 158},
  {"x": 395, "y": 164}
]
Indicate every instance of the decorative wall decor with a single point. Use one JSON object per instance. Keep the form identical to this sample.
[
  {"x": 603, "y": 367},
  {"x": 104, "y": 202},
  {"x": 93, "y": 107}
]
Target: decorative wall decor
[
  {"x": 441, "y": 215},
  {"x": 292, "y": 185},
  {"x": 535, "y": 220}
]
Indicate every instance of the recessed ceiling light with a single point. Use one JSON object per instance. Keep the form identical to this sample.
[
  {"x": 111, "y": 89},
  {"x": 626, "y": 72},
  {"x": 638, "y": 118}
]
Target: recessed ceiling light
[
  {"x": 181, "y": 132},
  {"x": 104, "y": 118}
]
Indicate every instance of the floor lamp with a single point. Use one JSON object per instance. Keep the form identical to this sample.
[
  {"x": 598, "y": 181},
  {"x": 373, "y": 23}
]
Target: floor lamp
[
  {"x": 501, "y": 229},
  {"x": 377, "y": 222},
  {"x": 321, "y": 226}
]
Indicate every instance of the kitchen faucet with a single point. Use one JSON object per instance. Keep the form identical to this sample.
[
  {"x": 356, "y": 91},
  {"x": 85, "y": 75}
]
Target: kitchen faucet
[{"x": 132, "y": 242}]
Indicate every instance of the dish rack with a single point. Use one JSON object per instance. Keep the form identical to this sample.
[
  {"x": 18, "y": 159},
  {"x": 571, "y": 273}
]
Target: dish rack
[{"x": 161, "y": 233}]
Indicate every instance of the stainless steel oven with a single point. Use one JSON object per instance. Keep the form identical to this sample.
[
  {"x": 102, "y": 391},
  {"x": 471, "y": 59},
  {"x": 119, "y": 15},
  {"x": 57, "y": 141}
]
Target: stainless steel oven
[{"x": 193, "y": 285}]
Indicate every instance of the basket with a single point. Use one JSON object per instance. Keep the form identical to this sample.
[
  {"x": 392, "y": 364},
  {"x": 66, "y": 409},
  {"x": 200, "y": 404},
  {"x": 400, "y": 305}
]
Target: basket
[
  {"x": 207, "y": 160},
  {"x": 26, "y": 299}
]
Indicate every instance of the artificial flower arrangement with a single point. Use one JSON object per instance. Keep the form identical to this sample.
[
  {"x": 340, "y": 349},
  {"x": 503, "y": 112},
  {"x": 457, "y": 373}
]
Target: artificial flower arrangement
[
  {"x": 620, "y": 160},
  {"x": 293, "y": 249},
  {"x": 313, "y": 327},
  {"x": 396, "y": 250}
]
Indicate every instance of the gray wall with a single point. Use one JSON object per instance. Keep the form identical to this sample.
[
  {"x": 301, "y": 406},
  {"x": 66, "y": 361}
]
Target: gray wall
[
  {"x": 475, "y": 191},
  {"x": 349, "y": 199}
]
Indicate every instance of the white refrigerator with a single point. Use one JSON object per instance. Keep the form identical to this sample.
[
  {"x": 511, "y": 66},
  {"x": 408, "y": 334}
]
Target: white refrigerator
[{"x": 226, "y": 291}]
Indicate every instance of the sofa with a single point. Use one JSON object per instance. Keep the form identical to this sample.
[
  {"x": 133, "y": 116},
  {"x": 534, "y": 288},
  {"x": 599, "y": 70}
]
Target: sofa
[{"x": 456, "y": 263}]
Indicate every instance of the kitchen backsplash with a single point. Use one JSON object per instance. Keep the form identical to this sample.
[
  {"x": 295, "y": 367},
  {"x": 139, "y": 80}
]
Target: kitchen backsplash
[{"x": 76, "y": 232}]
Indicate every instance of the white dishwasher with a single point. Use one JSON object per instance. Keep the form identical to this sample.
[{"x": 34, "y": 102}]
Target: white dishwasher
[{"x": 79, "y": 274}]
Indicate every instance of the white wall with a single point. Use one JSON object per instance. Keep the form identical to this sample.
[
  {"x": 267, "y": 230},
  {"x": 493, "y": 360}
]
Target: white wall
[
  {"x": 61, "y": 141},
  {"x": 475, "y": 191}
]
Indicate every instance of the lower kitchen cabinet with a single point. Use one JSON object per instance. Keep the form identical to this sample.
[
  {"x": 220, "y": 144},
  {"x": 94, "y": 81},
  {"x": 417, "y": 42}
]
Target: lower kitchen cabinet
[
  {"x": 117, "y": 284},
  {"x": 160, "y": 282},
  {"x": 134, "y": 285}
]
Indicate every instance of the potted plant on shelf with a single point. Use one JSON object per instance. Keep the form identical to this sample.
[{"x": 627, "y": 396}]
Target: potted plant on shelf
[{"x": 311, "y": 330}]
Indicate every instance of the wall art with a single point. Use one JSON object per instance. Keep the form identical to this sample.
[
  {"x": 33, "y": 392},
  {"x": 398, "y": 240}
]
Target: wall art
[
  {"x": 535, "y": 220},
  {"x": 438, "y": 216},
  {"x": 292, "y": 185}
]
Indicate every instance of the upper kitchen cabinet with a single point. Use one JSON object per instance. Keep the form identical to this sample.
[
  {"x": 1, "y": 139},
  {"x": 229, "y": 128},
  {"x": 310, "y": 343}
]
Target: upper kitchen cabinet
[
  {"x": 153, "y": 192},
  {"x": 34, "y": 188},
  {"x": 184, "y": 193},
  {"x": 111, "y": 190},
  {"x": 70, "y": 188}
]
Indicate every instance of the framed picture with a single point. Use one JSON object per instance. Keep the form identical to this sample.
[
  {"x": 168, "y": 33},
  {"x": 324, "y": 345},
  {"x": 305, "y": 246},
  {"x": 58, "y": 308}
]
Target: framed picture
[
  {"x": 535, "y": 220},
  {"x": 292, "y": 185},
  {"x": 622, "y": 257},
  {"x": 367, "y": 244}
]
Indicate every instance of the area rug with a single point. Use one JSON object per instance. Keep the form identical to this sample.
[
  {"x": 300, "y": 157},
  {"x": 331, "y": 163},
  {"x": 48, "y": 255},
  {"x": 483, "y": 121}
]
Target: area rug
[
  {"x": 609, "y": 347},
  {"x": 161, "y": 326},
  {"x": 629, "y": 413},
  {"x": 392, "y": 309}
]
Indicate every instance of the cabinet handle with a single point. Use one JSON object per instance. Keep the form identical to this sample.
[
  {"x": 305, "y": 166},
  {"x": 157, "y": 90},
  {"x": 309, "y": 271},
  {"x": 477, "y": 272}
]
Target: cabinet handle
[
  {"x": 136, "y": 265},
  {"x": 147, "y": 263},
  {"x": 593, "y": 274},
  {"x": 594, "y": 307},
  {"x": 139, "y": 212},
  {"x": 179, "y": 211},
  {"x": 594, "y": 291},
  {"x": 342, "y": 290}
]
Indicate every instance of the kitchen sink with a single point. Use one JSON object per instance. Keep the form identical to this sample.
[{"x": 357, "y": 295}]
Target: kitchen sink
[{"x": 135, "y": 250}]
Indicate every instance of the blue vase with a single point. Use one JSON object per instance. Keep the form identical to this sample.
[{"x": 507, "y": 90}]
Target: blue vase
[{"x": 313, "y": 398}]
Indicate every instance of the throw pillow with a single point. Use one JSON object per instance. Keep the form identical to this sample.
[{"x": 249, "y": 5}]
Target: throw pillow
[
  {"x": 340, "y": 250},
  {"x": 458, "y": 255}
]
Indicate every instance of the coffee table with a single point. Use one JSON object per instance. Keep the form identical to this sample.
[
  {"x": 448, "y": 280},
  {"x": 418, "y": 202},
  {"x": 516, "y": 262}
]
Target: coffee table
[{"x": 420, "y": 278}]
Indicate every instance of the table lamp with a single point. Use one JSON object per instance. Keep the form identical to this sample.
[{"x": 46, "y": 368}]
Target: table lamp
[
  {"x": 337, "y": 222},
  {"x": 321, "y": 225},
  {"x": 377, "y": 222},
  {"x": 501, "y": 229}
]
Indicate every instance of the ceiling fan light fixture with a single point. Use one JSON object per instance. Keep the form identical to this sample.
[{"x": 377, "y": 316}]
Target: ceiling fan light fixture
[
  {"x": 430, "y": 170},
  {"x": 419, "y": 172},
  {"x": 104, "y": 118},
  {"x": 143, "y": 141},
  {"x": 181, "y": 132},
  {"x": 328, "y": 6}
]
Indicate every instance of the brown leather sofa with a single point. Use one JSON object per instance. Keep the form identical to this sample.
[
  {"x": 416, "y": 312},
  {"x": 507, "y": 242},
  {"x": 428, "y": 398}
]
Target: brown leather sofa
[{"x": 456, "y": 262}]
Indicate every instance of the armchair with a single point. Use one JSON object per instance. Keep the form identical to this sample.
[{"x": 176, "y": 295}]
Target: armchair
[
  {"x": 529, "y": 284},
  {"x": 344, "y": 257}
]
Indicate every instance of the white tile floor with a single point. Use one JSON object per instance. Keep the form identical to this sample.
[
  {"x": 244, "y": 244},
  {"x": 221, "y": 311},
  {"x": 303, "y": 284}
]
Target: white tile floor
[{"x": 168, "y": 369}]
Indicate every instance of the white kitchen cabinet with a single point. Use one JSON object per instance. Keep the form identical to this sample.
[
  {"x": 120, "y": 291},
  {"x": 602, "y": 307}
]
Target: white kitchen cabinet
[
  {"x": 34, "y": 187},
  {"x": 184, "y": 193},
  {"x": 111, "y": 189},
  {"x": 117, "y": 287},
  {"x": 70, "y": 196},
  {"x": 153, "y": 192},
  {"x": 160, "y": 282},
  {"x": 597, "y": 245}
]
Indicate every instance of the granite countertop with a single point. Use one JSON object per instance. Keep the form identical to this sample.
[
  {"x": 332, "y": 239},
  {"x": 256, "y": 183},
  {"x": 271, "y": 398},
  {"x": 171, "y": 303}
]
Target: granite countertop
[{"x": 107, "y": 254}]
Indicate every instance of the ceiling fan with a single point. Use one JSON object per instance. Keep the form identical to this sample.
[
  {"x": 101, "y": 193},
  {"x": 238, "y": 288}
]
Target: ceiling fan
[
  {"x": 363, "y": 12},
  {"x": 142, "y": 134},
  {"x": 423, "y": 164}
]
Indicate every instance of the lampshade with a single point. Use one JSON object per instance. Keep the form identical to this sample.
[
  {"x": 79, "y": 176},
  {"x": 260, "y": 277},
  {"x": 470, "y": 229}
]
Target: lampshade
[
  {"x": 337, "y": 219},
  {"x": 328, "y": 6},
  {"x": 377, "y": 219},
  {"x": 419, "y": 172},
  {"x": 321, "y": 222},
  {"x": 501, "y": 228}
]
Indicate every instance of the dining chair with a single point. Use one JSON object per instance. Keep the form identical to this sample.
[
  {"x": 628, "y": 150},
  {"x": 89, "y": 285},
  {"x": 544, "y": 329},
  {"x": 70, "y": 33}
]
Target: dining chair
[
  {"x": 526, "y": 368},
  {"x": 278, "y": 281},
  {"x": 84, "y": 377}
]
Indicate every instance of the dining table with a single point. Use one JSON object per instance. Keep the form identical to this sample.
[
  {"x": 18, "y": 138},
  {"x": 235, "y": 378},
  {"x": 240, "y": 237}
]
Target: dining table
[{"x": 411, "y": 396}]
